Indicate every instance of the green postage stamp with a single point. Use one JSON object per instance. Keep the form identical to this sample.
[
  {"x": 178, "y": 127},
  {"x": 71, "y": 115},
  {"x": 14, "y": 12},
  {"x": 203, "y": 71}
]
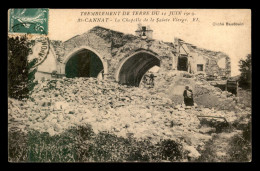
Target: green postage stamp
[{"x": 30, "y": 20}]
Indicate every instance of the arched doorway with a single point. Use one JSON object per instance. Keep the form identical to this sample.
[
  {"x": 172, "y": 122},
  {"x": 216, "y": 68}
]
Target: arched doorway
[
  {"x": 83, "y": 63},
  {"x": 135, "y": 66},
  {"x": 148, "y": 78}
]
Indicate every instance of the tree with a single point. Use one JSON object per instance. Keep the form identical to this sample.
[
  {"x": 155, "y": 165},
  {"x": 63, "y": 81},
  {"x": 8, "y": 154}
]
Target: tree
[
  {"x": 20, "y": 72},
  {"x": 246, "y": 71}
]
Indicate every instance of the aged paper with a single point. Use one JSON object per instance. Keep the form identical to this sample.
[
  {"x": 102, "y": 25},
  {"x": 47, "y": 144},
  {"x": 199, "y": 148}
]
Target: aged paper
[{"x": 129, "y": 85}]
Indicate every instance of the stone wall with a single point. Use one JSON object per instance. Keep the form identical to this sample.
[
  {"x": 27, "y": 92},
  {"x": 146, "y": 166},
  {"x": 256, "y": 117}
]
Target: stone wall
[
  {"x": 115, "y": 47},
  {"x": 214, "y": 63}
]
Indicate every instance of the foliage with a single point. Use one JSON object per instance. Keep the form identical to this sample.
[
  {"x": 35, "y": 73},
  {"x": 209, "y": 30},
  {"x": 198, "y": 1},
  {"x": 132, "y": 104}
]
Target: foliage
[
  {"x": 20, "y": 75},
  {"x": 238, "y": 148},
  {"x": 241, "y": 149},
  {"x": 17, "y": 146},
  {"x": 208, "y": 153},
  {"x": 246, "y": 71},
  {"x": 171, "y": 150},
  {"x": 81, "y": 144}
]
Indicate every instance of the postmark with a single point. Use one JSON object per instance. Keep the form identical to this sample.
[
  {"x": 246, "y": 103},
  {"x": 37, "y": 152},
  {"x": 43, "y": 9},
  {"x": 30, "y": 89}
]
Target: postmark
[
  {"x": 39, "y": 49},
  {"x": 39, "y": 44},
  {"x": 33, "y": 21}
]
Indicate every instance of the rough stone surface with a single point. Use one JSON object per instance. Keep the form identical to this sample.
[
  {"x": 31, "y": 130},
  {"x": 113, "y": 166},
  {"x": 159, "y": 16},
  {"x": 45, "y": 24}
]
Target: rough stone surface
[
  {"x": 57, "y": 105},
  {"x": 114, "y": 47}
]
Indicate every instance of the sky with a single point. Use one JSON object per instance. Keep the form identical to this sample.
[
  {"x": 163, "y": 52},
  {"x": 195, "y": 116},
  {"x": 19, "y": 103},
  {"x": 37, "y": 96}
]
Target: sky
[{"x": 205, "y": 28}]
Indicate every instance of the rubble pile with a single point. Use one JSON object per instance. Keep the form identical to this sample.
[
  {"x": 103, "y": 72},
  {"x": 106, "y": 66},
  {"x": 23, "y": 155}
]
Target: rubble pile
[
  {"x": 17, "y": 115},
  {"x": 213, "y": 97},
  {"x": 172, "y": 85},
  {"x": 57, "y": 105}
]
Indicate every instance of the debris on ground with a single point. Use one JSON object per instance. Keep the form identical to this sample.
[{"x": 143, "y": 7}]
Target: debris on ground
[{"x": 57, "y": 105}]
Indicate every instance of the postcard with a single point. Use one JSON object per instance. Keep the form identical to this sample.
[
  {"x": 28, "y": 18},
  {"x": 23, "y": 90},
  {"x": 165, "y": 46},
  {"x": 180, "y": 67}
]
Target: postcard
[{"x": 129, "y": 85}]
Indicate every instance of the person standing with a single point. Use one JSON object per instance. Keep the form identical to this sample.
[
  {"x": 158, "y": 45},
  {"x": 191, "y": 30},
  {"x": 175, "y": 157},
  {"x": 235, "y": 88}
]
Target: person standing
[
  {"x": 188, "y": 96},
  {"x": 152, "y": 79}
]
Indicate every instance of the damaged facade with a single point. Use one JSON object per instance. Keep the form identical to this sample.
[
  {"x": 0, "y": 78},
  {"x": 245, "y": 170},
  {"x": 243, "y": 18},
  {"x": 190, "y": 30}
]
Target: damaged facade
[
  {"x": 198, "y": 60},
  {"x": 125, "y": 58}
]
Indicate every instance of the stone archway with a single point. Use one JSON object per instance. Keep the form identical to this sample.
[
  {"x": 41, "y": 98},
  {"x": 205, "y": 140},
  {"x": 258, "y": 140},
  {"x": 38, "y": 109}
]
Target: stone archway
[
  {"x": 83, "y": 62},
  {"x": 132, "y": 69}
]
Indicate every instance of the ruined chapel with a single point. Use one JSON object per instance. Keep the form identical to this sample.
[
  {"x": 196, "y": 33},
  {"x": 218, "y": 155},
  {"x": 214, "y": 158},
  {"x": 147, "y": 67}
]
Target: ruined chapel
[{"x": 125, "y": 58}]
